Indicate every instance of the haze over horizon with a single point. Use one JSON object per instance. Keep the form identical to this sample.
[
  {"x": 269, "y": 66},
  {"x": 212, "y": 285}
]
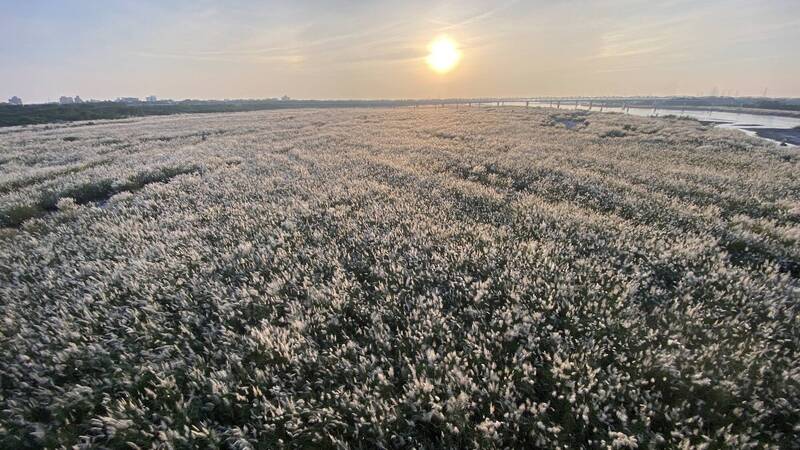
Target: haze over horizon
[{"x": 347, "y": 50}]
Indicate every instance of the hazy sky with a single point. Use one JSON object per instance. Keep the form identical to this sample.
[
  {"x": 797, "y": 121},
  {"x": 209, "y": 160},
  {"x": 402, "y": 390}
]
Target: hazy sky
[{"x": 359, "y": 49}]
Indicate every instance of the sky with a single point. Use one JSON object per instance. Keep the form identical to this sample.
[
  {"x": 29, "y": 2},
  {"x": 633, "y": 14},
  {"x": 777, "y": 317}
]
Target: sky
[{"x": 348, "y": 49}]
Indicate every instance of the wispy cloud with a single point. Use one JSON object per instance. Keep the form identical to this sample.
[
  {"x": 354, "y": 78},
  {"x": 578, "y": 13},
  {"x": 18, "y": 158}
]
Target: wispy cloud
[
  {"x": 291, "y": 49},
  {"x": 615, "y": 46},
  {"x": 445, "y": 25}
]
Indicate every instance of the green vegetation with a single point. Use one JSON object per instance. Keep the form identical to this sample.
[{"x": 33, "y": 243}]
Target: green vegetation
[{"x": 55, "y": 113}]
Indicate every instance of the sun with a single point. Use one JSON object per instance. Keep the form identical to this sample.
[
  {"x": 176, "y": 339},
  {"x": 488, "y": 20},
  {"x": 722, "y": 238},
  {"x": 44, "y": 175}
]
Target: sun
[{"x": 444, "y": 55}]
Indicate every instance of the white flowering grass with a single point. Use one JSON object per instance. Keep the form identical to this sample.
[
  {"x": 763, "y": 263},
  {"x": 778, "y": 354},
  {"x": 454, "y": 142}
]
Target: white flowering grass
[{"x": 408, "y": 278}]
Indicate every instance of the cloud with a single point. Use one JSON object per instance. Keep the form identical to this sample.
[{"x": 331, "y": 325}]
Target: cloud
[
  {"x": 472, "y": 19},
  {"x": 292, "y": 48}
]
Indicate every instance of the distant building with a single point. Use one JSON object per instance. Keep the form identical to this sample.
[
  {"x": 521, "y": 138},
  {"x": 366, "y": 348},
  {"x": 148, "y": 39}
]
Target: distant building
[
  {"x": 152, "y": 99},
  {"x": 78, "y": 99},
  {"x": 127, "y": 100},
  {"x": 15, "y": 101},
  {"x": 66, "y": 100},
  {"x": 285, "y": 98}
]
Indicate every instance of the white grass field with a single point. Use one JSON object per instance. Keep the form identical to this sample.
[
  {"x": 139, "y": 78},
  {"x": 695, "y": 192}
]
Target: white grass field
[{"x": 407, "y": 278}]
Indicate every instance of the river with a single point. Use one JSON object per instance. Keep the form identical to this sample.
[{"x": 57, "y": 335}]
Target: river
[{"x": 779, "y": 129}]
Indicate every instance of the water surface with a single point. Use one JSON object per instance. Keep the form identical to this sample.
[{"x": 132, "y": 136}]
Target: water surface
[{"x": 779, "y": 129}]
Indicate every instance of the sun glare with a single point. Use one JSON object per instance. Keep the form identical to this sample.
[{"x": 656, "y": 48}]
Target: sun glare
[{"x": 444, "y": 55}]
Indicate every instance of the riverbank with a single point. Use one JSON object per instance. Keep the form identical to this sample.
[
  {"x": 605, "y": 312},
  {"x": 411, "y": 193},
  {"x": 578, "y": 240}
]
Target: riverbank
[
  {"x": 788, "y": 136},
  {"x": 754, "y": 111}
]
